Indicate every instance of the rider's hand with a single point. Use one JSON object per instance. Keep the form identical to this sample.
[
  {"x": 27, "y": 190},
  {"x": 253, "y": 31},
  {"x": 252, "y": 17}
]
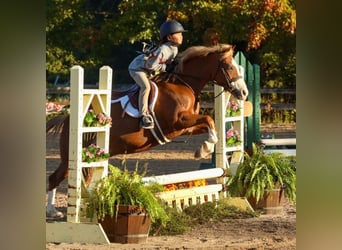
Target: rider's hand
[{"x": 170, "y": 67}]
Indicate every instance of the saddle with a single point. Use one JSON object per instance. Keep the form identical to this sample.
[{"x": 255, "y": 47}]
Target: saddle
[{"x": 129, "y": 99}]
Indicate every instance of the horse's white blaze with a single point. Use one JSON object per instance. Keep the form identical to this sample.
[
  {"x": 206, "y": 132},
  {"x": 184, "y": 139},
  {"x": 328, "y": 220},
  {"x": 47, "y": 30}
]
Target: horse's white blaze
[{"x": 241, "y": 84}]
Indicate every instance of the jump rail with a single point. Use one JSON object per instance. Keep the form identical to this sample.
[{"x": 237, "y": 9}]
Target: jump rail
[
  {"x": 181, "y": 198},
  {"x": 274, "y": 143}
]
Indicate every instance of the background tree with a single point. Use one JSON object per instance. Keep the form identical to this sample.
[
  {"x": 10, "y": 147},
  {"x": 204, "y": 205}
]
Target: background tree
[{"x": 93, "y": 33}]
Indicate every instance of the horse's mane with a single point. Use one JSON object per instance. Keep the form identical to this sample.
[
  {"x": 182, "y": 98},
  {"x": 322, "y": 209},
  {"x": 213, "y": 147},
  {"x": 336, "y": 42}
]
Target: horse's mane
[{"x": 202, "y": 51}]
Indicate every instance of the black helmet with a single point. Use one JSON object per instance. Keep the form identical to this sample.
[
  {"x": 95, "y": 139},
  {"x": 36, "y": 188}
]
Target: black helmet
[{"x": 170, "y": 27}]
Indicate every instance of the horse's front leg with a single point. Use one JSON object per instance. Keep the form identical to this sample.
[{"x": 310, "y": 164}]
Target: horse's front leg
[{"x": 197, "y": 124}]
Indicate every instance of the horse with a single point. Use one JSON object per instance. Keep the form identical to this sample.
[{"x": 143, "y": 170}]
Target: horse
[{"x": 175, "y": 110}]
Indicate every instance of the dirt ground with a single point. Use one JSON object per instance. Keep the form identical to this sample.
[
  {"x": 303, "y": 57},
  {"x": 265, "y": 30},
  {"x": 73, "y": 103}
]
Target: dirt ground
[{"x": 263, "y": 232}]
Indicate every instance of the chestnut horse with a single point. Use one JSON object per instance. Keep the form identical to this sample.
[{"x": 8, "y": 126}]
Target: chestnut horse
[{"x": 176, "y": 109}]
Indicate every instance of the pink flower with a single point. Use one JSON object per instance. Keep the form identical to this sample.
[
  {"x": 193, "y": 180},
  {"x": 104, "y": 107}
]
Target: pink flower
[
  {"x": 232, "y": 108},
  {"x": 93, "y": 153},
  {"x": 100, "y": 151},
  {"x": 51, "y": 106},
  {"x": 235, "y": 106},
  {"x": 89, "y": 154},
  {"x": 232, "y": 137},
  {"x": 230, "y": 133},
  {"x": 103, "y": 119}
]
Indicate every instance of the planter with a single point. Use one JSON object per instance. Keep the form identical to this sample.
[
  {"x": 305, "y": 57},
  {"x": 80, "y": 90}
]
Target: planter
[
  {"x": 132, "y": 225},
  {"x": 271, "y": 203}
]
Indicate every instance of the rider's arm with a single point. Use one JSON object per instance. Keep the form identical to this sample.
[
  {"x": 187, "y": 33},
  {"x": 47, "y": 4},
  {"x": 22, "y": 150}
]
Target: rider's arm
[{"x": 163, "y": 55}]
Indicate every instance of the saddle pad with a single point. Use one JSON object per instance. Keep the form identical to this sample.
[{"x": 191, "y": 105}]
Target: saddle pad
[{"x": 130, "y": 109}]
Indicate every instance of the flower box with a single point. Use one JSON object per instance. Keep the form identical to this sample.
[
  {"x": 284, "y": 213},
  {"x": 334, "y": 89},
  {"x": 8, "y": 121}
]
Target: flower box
[
  {"x": 94, "y": 153},
  {"x": 233, "y": 108},
  {"x": 233, "y": 137},
  {"x": 96, "y": 120}
]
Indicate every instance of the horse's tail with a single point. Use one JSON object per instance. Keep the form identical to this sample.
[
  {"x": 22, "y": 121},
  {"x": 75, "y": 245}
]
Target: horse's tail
[{"x": 55, "y": 125}]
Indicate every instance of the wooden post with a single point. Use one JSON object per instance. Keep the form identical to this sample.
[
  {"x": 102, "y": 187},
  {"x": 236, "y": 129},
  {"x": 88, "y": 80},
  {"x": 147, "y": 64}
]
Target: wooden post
[
  {"x": 223, "y": 123},
  {"x": 75, "y": 144},
  {"x": 80, "y": 101}
]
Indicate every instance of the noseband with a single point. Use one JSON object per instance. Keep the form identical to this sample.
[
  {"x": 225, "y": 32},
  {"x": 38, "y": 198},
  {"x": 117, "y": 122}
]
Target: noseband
[{"x": 229, "y": 80}]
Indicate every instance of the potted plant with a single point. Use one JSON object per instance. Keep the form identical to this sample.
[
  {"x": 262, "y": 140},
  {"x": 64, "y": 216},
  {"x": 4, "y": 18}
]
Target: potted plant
[
  {"x": 264, "y": 179},
  {"x": 125, "y": 206}
]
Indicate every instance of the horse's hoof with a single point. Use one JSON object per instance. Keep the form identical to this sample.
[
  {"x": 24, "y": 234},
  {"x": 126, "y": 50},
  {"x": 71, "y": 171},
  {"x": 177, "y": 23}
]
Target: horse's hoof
[
  {"x": 204, "y": 151},
  {"x": 212, "y": 136},
  {"x": 54, "y": 213}
]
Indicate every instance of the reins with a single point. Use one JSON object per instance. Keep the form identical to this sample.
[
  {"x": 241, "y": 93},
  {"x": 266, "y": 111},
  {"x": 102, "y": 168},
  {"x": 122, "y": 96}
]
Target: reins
[
  {"x": 229, "y": 80},
  {"x": 184, "y": 82}
]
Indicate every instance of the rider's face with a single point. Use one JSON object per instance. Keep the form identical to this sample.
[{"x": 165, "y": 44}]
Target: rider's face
[{"x": 176, "y": 38}]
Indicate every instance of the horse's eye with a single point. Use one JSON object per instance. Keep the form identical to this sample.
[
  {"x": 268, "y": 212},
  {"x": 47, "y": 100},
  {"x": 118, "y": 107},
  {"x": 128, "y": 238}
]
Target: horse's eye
[{"x": 227, "y": 67}]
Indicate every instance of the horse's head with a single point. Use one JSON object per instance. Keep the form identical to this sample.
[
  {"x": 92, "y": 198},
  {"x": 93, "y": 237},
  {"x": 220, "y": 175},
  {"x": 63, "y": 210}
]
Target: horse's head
[
  {"x": 215, "y": 64},
  {"x": 229, "y": 74}
]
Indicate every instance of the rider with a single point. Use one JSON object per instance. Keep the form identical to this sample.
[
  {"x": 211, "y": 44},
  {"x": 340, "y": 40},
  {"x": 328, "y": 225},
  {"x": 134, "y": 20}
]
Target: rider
[{"x": 159, "y": 60}]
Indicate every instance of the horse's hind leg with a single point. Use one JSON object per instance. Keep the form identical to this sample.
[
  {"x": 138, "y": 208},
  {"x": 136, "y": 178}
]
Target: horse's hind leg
[{"x": 54, "y": 180}]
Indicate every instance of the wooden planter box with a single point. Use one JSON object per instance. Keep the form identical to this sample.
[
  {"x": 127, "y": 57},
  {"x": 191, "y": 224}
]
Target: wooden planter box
[
  {"x": 132, "y": 225},
  {"x": 271, "y": 203}
]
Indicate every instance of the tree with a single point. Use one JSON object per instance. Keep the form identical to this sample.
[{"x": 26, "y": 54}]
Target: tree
[{"x": 92, "y": 33}]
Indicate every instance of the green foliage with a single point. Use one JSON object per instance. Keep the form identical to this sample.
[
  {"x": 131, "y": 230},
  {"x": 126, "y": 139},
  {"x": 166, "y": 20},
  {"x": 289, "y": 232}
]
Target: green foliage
[
  {"x": 179, "y": 223},
  {"x": 215, "y": 211},
  {"x": 94, "y": 33},
  {"x": 199, "y": 214},
  {"x": 122, "y": 187},
  {"x": 94, "y": 153},
  {"x": 226, "y": 211},
  {"x": 279, "y": 116},
  {"x": 261, "y": 172}
]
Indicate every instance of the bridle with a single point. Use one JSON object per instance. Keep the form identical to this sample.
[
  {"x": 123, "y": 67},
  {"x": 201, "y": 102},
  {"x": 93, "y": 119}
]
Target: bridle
[{"x": 230, "y": 81}]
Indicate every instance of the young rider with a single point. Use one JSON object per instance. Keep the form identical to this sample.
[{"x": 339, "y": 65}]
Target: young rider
[{"x": 159, "y": 60}]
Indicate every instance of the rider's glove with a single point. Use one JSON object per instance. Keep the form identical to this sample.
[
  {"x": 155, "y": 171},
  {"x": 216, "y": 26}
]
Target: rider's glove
[{"x": 170, "y": 66}]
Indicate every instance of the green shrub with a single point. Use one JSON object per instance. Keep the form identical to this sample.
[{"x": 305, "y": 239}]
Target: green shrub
[
  {"x": 181, "y": 221},
  {"x": 178, "y": 223}
]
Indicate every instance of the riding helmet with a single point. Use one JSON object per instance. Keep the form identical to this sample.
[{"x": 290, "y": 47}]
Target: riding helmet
[{"x": 170, "y": 27}]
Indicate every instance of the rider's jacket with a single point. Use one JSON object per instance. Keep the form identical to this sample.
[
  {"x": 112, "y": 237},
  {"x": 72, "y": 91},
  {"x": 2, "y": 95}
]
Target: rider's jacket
[{"x": 156, "y": 60}]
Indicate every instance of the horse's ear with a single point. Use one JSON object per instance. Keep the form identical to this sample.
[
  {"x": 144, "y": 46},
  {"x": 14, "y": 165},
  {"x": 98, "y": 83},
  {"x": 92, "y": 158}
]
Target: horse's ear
[{"x": 226, "y": 48}]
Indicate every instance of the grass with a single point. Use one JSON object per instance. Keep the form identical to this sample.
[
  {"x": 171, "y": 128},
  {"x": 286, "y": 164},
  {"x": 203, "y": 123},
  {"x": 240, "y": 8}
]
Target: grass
[{"x": 194, "y": 215}]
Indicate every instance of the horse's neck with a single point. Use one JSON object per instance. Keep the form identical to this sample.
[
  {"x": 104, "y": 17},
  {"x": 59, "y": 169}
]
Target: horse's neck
[
  {"x": 188, "y": 80},
  {"x": 192, "y": 82},
  {"x": 196, "y": 86}
]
